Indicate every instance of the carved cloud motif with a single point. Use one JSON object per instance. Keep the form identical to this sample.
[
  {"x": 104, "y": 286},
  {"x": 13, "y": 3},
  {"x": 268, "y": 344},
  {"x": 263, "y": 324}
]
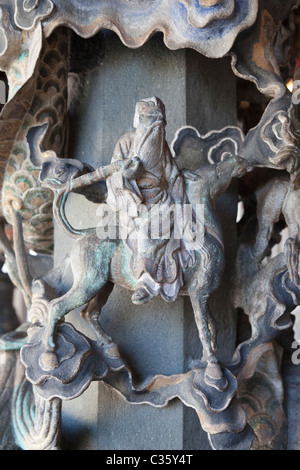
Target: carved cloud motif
[
  {"x": 28, "y": 12},
  {"x": 215, "y": 24},
  {"x": 203, "y": 12},
  {"x": 209, "y": 26}
]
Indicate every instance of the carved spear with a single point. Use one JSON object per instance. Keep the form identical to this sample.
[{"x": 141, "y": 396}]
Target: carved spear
[{"x": 133, "y": 167}]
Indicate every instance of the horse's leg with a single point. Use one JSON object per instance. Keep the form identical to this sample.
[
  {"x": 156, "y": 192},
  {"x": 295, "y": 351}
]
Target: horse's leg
[
  {"x": 292, "y": 256},
  {"x": 92, "y": 311},
  {"x": 213, "y": 374},
  {"x": 270, "y": 201},
  {"x": 204, "y": 282},
  {"x": 57, "y": 309},
  {"x": 212, "y": 325},
  {"x": 90, "y": 262}
]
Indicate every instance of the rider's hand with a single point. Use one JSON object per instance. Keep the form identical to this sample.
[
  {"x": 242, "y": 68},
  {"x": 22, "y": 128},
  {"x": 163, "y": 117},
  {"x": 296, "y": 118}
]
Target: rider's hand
[{"x": 133, "y": 168}]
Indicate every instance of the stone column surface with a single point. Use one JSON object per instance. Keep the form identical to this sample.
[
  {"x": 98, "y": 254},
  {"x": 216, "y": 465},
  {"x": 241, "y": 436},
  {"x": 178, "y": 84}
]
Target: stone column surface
[{"x": 160, "y": 337}]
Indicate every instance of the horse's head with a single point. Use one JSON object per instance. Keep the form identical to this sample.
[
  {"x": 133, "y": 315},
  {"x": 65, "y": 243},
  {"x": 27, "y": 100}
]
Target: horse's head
[
  {"x": 214, "y": 179},
  {"x": 57, "y": 172},
  {"x": 233, "y": 167}
]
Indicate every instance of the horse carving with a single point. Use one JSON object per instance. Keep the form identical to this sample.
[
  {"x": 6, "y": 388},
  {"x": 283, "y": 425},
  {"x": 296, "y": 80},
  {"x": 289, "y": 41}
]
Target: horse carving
[{"x": 96, "y": 262}]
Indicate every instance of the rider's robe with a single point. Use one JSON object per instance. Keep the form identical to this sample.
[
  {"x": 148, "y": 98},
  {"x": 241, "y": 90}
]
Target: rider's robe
[{"x": 159, "y": 251}]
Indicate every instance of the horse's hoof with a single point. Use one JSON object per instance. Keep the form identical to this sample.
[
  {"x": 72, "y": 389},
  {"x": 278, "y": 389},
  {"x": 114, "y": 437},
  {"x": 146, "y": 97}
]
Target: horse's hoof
[
  {"x": 48, "y": 360},
  {"x": 214, "y": 377}
]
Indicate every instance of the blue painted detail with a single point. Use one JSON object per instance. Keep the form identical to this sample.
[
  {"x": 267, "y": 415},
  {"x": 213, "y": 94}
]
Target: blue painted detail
[
  {"x": 23, "y": 56},
  {"x": 14, "y": 340},
  {"x": 125, "y": 270},
  {"x": 23, "y": 413},
  {"x": 63, "y": 217}
]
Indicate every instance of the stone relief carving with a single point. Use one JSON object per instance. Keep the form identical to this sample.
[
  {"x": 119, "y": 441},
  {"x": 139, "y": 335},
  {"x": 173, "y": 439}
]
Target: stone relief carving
[
  {"x": 47, "y": 360},
  {"x": 184, "y": 24}
]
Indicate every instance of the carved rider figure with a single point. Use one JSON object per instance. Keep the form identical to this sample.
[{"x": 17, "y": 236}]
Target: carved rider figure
[{"x": 142, "y": 196}]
